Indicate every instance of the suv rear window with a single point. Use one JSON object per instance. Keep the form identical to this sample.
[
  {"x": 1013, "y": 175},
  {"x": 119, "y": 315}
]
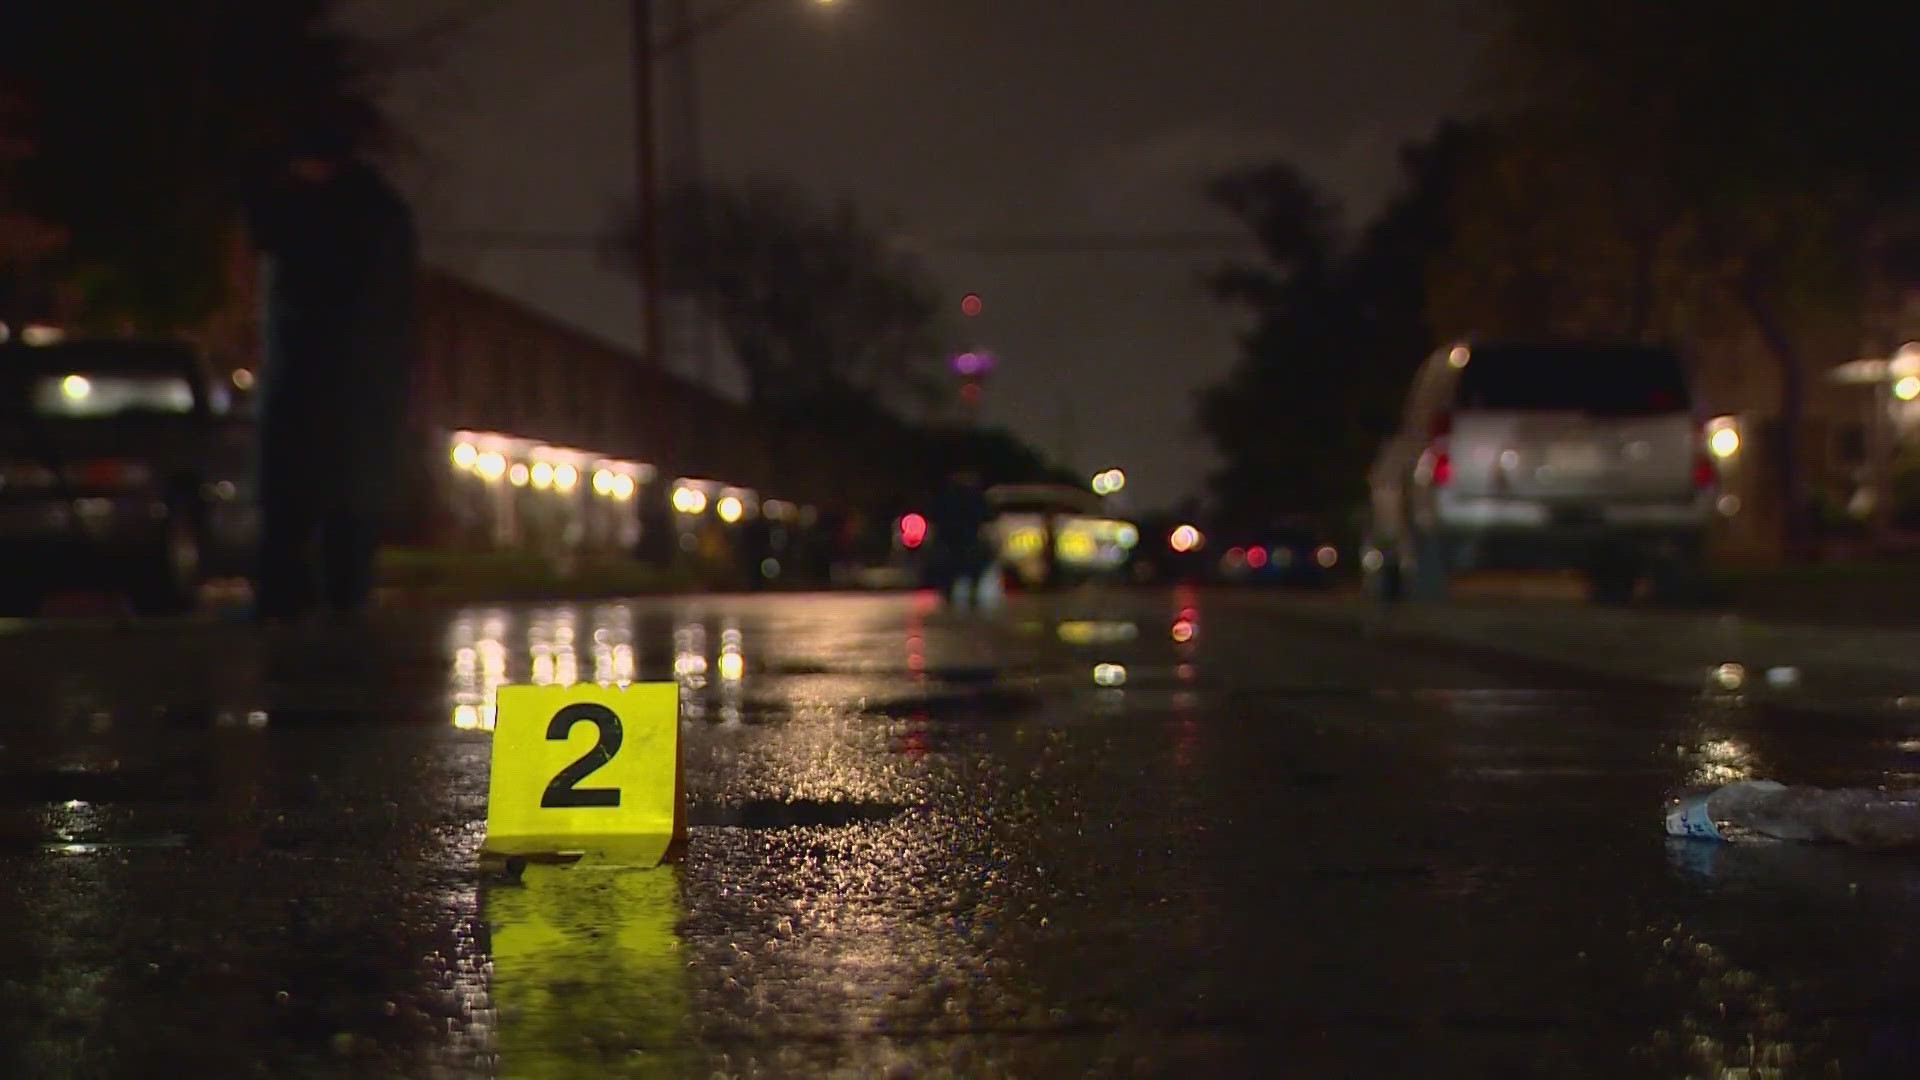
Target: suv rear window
[{"x": 1601, "y": 381}]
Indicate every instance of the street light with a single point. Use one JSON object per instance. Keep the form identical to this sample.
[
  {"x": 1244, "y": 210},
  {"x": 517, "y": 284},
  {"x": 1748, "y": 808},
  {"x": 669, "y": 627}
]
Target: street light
[
  {"x": 1723, "y": 437},
  {"x": 1109, "y": 482}
]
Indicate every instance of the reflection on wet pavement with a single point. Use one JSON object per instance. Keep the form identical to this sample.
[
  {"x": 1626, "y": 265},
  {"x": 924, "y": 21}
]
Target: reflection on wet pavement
[{"x": 1147, "y": 833}]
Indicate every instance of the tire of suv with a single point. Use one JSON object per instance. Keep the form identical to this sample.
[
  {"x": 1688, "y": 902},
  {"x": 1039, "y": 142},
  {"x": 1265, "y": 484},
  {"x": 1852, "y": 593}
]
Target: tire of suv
[
  {"x": 1683, "y": 579},
  {"x": 170, "y": 579},
  {"x": 1612, "y": 584}
]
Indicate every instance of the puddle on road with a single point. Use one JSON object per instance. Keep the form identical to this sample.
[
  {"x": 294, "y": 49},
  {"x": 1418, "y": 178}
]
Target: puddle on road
[{"x": 713, "y": 660}]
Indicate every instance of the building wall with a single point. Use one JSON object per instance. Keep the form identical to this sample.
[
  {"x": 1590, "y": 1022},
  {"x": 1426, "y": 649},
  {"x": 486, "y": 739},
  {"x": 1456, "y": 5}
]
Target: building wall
[{"x": 486, "y": 363}]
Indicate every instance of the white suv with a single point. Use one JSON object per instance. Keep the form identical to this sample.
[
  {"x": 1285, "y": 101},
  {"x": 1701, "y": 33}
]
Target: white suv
[{"x": 1514, "y": 456}]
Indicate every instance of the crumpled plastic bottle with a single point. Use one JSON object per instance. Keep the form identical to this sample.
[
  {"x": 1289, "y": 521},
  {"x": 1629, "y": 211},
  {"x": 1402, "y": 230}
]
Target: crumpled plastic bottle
[{"x": 1764, "y": 811}]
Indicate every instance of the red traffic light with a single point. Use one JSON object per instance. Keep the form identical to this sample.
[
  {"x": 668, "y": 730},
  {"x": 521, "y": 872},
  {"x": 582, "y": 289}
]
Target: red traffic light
[
  {"x": 913, "y": 530},
  {"x": 970, "y": 305}
]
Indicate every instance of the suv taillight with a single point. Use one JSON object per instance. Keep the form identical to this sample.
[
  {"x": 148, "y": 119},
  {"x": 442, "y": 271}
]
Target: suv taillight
[
  {"x": 109, "y": 474},
  {"x": 1704, "y": 474},
  {"x": 1439, "y": 464}
]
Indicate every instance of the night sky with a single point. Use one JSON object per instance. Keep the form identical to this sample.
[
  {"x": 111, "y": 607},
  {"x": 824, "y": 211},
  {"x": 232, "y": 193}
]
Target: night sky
[{"x": 1043, "y": 153}]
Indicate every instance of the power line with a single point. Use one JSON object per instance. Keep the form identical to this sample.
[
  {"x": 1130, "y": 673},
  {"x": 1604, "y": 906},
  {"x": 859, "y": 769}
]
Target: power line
[
  {"x": 423, "y": 39},
  {"x": 1065, "y": 243}
]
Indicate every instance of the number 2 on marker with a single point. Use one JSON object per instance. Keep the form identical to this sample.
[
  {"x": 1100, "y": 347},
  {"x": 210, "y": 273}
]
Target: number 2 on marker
[{"x": 561, "y": 790}]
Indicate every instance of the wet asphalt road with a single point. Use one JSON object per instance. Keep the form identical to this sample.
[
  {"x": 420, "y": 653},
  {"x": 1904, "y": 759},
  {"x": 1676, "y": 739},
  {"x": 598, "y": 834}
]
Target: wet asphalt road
[{"x": 927, "y": 847}]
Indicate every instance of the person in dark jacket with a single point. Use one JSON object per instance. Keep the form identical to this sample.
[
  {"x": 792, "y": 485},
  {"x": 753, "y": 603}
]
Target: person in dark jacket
[
  {"x": 340, "y": 258},
  {"x": 962, "y": 552}
]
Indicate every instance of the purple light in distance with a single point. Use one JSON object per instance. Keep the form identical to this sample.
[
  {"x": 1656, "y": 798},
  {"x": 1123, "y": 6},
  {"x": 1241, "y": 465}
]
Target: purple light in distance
[{"x": 972, "y": 363}]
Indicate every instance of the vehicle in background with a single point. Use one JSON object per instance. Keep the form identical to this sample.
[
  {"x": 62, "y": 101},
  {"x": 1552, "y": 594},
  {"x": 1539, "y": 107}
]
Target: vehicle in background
[
  {"x": 1057, "y": 534},
  {"x": 1562, "y": 457},
  {"x": 1295, "y": 553},
  {"x": 122, "y": 469},
  {"x": 1172, "y": 549}
]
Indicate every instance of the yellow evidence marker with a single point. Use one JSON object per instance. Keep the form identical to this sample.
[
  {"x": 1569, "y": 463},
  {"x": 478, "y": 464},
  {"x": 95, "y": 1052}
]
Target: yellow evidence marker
[{"x": 586, "y": 768}]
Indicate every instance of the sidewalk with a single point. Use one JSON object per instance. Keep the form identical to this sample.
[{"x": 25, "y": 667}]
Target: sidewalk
[
  {"x": 1680, "y": 649},
  {"x": 1852, "y": 594}
]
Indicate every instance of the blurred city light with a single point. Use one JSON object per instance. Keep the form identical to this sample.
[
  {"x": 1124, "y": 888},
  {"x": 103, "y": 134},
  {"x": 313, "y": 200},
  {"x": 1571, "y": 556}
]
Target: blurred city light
[
  {"x": 1907, "y": 388},
  {"x": 973, "y": 363},
  {"x": 913, "y": 530},
  {"x": 1723, "y": 436},
  {"x": 730, "y": 509},
  {"x": 1109, "y": 482},
  {"x": 970, "y": 305},
  {"x": 689, "y": 500},
  {"x": 565, "y": 477},
  {"x": 1185, "y": 538}
]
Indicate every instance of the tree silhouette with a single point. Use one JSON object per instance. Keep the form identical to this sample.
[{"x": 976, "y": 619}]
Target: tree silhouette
[
  {"x": 1664, "y": 166},
  {"x": 815, "y": 301},
  {"x": 148, "y": 121},
  {"x": 1339, "y": 325}
]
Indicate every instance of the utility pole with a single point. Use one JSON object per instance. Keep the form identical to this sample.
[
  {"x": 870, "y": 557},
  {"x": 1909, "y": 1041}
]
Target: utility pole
[
  {"x": 646, "y": 182},
  {"x": 685, "y": 169}
]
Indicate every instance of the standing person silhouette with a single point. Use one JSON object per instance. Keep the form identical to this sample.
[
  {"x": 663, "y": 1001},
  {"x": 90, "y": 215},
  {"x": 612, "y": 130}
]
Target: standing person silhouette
[
  {"x": 340, "y": 259},
  {"x": 962, "y": 551}
]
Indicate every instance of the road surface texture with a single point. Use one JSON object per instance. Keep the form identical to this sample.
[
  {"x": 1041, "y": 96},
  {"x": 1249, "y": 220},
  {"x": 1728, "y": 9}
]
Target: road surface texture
[{"x": 1306, "y": 840}]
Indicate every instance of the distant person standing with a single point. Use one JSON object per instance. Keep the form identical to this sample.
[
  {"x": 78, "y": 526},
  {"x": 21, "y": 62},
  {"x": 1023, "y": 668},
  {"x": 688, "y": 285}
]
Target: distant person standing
[
  {"x": 962, "y": 553},
  {"x": 340, "y": 260}
]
